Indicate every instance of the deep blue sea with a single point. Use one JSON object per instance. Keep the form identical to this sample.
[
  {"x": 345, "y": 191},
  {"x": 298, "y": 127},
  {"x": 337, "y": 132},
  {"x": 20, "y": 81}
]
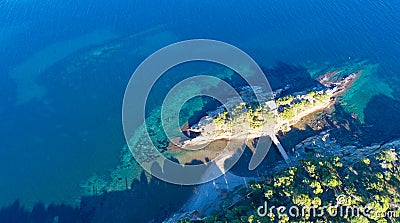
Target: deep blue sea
[{"x": 61, "y": 98}]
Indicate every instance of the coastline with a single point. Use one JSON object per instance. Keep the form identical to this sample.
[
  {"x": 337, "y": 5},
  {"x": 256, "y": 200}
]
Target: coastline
[{"x": 221, "y": 192}]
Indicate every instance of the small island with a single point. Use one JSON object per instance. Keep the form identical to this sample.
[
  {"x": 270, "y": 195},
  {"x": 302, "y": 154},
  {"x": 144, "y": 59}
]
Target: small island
[{"x": 247, "y": 118}]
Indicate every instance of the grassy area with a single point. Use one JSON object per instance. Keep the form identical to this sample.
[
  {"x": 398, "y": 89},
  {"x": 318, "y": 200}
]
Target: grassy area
[
  {"x": 258, "y": 114},
  {"x": 253, "y": 115}
]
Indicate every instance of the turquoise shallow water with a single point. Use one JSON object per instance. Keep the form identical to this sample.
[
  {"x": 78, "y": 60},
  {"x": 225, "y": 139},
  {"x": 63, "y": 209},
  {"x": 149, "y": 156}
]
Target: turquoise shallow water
[{"x": 65, "y": 66}]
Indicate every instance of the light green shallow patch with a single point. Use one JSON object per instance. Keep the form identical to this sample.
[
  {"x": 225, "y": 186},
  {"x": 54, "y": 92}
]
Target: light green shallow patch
[{"x": 368, "y": 85}]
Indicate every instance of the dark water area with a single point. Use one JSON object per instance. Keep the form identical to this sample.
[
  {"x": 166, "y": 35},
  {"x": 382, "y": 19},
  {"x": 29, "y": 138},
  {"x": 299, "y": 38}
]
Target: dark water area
[
  {"x": 385, "y": 127},
  {"x": 144, "y": 202},
  {"x": 62, "y": 88}
]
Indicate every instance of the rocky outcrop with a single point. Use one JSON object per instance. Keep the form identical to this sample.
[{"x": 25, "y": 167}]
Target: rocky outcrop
[{"x": 324, "y": 145}]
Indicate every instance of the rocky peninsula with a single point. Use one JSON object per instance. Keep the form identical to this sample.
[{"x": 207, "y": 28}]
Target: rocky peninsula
[{"x": 246, "y": 119}]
